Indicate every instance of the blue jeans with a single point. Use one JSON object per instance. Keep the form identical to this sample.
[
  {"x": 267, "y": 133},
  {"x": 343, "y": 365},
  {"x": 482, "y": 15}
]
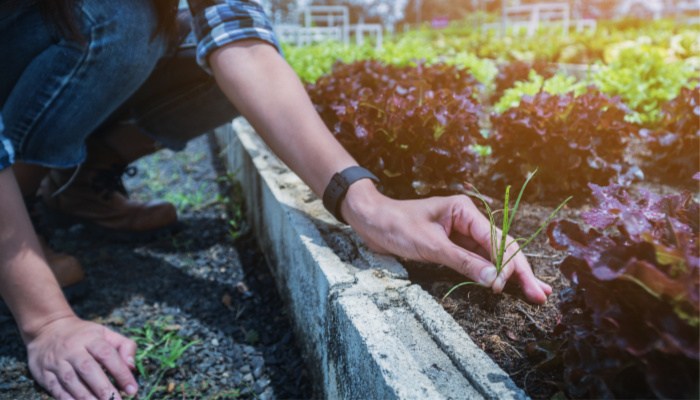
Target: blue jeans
[{"x": 55, "y": 93}]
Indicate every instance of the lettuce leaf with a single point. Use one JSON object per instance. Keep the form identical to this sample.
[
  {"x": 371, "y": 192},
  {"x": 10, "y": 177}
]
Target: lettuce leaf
[{"x": 630, "y": 321}]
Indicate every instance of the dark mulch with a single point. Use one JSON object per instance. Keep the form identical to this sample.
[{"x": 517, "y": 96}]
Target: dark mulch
[
  {"x": 504, "y": 324},
  {"x": 199, "y": 281}
]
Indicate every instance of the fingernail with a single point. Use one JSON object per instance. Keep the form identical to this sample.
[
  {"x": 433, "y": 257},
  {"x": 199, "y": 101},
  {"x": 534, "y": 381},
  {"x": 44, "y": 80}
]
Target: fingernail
[
  {"x": 488, "y": 274},
  {"x": 130, "y": 360},
  {"x": 131, "y": 390}
]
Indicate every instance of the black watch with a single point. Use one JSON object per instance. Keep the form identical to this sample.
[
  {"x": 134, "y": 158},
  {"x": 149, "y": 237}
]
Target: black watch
[{"x": 338, "y": 187}]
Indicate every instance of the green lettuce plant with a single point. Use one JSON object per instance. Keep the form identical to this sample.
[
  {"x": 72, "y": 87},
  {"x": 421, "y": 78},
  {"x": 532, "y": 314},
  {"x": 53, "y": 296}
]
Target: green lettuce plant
[
  {"x": 311, "y": 62},
  {"x": 645, "y": 80},
  {"x": 499, "y": 244},
  {"x": 557, "y": 84}
]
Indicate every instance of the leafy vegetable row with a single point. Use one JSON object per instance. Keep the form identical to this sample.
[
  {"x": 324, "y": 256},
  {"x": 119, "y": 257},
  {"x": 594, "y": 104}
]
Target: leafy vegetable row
[
  {"x": 674, "y": 42},
  {"x": 678, "y": 41},
  {"x": 414, "y": 127},
  {"x": 641, "y": 75},
  {"x": 417, "y": 128}
]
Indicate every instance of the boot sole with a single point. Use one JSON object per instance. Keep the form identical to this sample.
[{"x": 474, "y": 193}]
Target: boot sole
[{"x": 57, "y": 219}]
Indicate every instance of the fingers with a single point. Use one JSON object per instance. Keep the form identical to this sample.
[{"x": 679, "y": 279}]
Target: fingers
[
  {"x": 467, "y": 221},
  {"x": 517, "y": 263},
  {"x": 71, "y": 382},
  {"x": 545, "y": 287},
  {"x": 52, "y": 384},
  {"x": 68, "y": 357},
  {"x": 534, "y": 289},
  {"x": 125, "y": 347},
  {"x": 536, "y": 293},
  {"x": 467, "y": 263},
  {"x": 469, "y": 244},
  {"x": 95, "y": 379},
  {"x": 107, "y": 355}
]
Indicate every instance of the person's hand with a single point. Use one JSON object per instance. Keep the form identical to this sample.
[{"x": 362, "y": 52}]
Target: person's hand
[
  {"x": 445, "y": 230},
  {"x": 66, "y": 357}
]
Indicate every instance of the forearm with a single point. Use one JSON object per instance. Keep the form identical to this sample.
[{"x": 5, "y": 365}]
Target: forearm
[
  {"x": 447, "y": 230},
  {"x": 265, "y": 89},
  {"x": 27, "y": 285}
]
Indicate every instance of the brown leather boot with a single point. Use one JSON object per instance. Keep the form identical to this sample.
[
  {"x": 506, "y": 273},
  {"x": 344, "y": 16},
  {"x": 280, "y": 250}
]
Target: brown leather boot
[
  {"x": 94, "y": 194},
  {"x": 66, "y": 268}
]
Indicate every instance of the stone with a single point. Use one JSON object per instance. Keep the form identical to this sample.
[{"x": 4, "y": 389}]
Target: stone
[{"x": 261, "y": 385}]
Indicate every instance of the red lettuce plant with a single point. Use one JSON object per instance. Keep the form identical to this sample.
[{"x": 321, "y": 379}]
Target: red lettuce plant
[
  {"x": 572, "y": 140},
  {"x": 674, "y": 147},
  {"x": 630, "y": 321},
  {"x": 413, "y": 127}
]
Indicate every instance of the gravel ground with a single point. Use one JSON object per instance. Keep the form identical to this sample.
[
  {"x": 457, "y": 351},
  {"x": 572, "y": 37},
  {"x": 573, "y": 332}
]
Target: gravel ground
[{"x": 208, "y": 282}]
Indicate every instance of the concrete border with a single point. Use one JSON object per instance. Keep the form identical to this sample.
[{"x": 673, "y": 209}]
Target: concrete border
[{"x": 364, "y": 330}]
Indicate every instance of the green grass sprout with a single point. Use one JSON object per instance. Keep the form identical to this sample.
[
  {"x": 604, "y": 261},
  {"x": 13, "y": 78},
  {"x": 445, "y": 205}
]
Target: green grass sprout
[
  {"x": 158, "y": 345},
  {"x": 498, "y": 240}
]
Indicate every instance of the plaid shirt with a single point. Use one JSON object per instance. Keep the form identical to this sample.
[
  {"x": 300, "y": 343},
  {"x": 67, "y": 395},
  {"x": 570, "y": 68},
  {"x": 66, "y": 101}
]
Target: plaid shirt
[{"x": 217, "y": 23}]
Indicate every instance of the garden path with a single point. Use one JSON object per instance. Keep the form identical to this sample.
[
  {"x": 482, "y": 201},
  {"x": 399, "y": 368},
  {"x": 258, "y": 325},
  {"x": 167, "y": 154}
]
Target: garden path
[{"x": 208, "y": 282}]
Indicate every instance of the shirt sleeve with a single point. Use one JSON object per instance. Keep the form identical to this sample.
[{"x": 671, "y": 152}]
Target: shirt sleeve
[{"x": 217, "y": 23}]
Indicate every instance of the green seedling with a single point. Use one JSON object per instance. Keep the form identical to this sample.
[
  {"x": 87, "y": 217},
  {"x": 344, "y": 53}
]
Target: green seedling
[
  {"x": 159, "y": 345},
  {"x": 499, "y": 239},
  {"x": 252, "y": 337},
  {"x": 250, "y": 389}
]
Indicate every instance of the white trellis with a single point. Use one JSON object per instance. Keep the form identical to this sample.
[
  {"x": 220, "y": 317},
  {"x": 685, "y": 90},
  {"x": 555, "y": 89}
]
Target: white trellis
[
  {"x": 529, "y": 17},
  {"x": 372, "y": 30},
  {"x": 322, "y": 23},
  {"x": 331, "y": 16}
]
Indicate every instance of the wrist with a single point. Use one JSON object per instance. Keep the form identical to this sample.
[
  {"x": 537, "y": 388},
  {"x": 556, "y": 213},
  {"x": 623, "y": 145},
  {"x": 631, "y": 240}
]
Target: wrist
[
  {"x": 360, "y": 201},
  {"x": 33, "y": 325},
  {"x": 340, "y": 183}
]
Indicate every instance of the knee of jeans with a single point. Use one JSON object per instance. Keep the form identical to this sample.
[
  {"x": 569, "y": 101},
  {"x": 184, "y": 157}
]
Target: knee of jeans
[{"x": 121, "y": 38}]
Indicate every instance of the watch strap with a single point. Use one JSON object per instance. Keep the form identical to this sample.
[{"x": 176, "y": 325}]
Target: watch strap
[{"x": 339, "y": 185}]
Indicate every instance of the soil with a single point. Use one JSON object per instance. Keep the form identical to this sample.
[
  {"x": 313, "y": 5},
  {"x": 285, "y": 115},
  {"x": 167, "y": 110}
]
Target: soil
[
  {"x": 199, "y": 281},
  {"x": 504, "y": 325}
]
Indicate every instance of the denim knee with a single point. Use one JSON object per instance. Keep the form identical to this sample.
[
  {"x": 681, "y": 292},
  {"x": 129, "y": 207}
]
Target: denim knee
[
  {"x": 68, "y": 90},
  {"x": 122, "y": 38}
]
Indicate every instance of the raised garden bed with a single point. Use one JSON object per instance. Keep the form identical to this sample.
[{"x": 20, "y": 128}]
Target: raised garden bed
[
  {"x": 419, "y": 128},
  {"x": 366, "y": 331},
  {"x": 370, "y": 295}
]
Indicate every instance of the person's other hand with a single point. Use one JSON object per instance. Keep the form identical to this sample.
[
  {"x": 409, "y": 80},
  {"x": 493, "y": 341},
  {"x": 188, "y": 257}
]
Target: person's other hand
[
  {"x": 445, "y": 230},
  {"x": 66, "y": 357}
]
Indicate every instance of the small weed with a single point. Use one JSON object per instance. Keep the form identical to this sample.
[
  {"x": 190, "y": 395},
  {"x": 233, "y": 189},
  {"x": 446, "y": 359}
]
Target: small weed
[
  {"x": 182, "y": 201},
  {"x": 252, "y": 337},
  {"x": 160, "y": 346},
  {"x": 236, "y": 231},
  {"x": 251, "y": 390},
  {"x": 239, "y": 226},
  {"x": 184, "y": 244},
  {"x": 498, "y": 251}
]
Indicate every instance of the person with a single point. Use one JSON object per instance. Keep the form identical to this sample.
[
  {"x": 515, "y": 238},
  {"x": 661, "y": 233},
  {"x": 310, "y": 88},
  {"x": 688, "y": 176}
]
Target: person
[{"x": 90, "y": 86}]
